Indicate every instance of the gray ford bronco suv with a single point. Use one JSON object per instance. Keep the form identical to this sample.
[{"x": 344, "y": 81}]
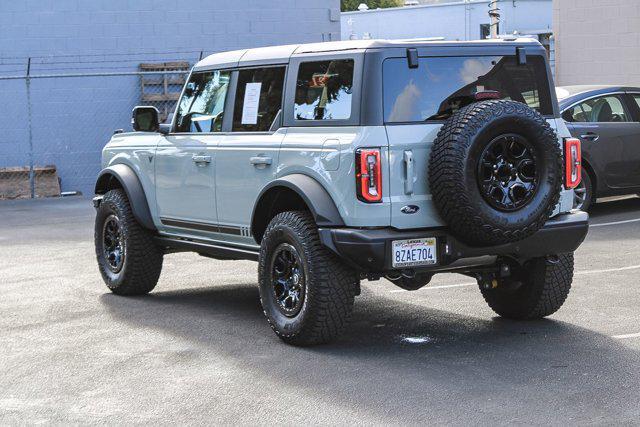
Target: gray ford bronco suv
[{"x": 336, "y": 162}]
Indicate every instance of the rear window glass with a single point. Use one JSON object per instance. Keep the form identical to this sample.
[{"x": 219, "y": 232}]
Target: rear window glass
[
  {"x": 442, "y": 85},
  {"x": 324, "y": 90}
]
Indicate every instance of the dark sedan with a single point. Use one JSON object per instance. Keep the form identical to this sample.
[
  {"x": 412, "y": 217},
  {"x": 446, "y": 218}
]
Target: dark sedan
[{"x": 607, "y": 121}]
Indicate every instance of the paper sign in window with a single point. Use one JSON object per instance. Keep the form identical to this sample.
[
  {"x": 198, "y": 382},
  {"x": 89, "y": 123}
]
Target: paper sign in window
[{"x": 251, "y": 102}]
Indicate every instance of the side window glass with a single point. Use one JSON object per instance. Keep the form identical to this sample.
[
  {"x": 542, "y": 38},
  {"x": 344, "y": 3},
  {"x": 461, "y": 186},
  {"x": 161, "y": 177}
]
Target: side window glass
[
  {"x": 201, "y": 108},
  {"x": 606, "y": 109},
  {"x": 577, "y": 114},
  {"x": 258, "y": 99},
  {"x": 637, "y": 98},
  {"x": 324, "y": 90}
]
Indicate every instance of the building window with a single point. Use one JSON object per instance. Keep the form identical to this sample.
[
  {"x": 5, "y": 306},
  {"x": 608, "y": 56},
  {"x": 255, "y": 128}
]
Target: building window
[{"x": 485, "y": 31}]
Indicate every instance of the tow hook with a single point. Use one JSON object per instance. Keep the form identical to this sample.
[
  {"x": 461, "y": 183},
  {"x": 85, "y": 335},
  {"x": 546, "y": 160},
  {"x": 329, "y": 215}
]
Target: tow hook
[
  {"x": 487, "y": 280},
  {"x": 490, "y": 280}
]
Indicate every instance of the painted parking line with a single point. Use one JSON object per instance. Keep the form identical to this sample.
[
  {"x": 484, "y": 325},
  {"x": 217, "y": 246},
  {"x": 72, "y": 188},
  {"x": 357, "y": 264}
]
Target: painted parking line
[
  {"x": 608, "y": 270},
  {"x": 577, "y": 273},
  {"x": 626, "y": 336},
  {"x": 606, "y": 224}
]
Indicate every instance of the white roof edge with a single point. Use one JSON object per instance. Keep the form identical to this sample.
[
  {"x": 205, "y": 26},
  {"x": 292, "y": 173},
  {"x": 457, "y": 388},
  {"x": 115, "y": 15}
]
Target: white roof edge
[{"x": 234, "y": 58}]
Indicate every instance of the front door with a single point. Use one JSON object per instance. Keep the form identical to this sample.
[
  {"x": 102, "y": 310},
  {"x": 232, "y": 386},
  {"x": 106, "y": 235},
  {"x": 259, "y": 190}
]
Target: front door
[
  {"x": 247, "y": 157},
  {"x": 608, "y": 134},
  {"x": 186, "y": 158}
]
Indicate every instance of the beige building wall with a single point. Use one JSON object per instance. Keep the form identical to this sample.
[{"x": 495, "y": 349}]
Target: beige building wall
[{"x": 597, "y": 41}]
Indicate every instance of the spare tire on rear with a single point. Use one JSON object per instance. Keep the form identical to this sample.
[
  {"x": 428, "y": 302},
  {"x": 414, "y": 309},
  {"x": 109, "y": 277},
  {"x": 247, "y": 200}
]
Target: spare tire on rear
[{"x": 495, "y": 172}]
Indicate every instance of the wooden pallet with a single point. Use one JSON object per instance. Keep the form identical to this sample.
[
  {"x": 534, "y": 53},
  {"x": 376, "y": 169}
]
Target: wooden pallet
[
  {"x": 14, "y": 182},
  {"x": 162, "y": 90}
]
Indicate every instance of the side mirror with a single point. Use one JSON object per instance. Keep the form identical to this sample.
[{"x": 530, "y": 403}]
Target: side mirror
[{"x": 145, "y": 119}]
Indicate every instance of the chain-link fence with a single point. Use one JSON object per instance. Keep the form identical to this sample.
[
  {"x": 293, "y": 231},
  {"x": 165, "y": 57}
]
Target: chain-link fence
[{"x": 54, "y": 125}]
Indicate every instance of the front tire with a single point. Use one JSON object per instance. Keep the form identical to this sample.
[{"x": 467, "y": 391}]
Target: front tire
[
  {"x": 129, "y": 260},
  {"x": 536, "y": 290},
  {"x": 307, "y": 294}
]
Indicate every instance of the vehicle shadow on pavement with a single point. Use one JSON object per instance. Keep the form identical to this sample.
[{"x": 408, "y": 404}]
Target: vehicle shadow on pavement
[
  {"x": 489, "y": 364},
  {"x": 615, "y": 207}
]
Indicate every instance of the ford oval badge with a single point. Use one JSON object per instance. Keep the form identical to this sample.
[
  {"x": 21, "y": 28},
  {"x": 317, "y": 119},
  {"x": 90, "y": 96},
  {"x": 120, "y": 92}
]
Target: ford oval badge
[{"x": 409, "y": 209}]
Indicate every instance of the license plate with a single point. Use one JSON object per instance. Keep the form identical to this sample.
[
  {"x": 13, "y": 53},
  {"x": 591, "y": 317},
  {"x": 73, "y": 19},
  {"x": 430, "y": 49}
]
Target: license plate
[{"x": 414, "y": 252}]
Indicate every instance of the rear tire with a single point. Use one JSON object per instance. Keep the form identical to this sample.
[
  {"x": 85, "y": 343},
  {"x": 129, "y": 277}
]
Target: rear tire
[
  {"x": 129, "y": 260},
  {"x": 534, "y": 291},
  {"x": 307, "y": 294}
]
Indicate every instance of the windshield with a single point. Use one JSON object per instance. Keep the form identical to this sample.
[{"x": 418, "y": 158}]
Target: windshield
[{"x": 442, "y": 85}]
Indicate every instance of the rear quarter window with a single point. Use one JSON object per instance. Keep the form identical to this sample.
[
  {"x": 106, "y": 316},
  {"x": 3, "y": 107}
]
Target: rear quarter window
[
  {"x": 442, "y": 85},
  {"x": 324, "y": 90}
]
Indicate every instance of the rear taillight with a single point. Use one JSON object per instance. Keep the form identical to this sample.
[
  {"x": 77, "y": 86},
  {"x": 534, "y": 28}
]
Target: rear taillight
[
  {"x": 572, "y": 162},
  {"x": 368, "y": 175}
]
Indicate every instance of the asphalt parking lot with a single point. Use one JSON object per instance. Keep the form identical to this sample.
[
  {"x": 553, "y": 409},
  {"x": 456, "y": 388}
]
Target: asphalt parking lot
[{"x": 198, "y": 350}]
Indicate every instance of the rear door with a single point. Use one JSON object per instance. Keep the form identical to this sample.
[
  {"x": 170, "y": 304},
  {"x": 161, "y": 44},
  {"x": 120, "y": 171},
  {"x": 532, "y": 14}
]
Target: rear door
[
  {"x": 608, "y": 133},
  {"x": 185, "y": 159},
  {"x": 247, "y": 156},
  {"x": 417, "y": 101}
]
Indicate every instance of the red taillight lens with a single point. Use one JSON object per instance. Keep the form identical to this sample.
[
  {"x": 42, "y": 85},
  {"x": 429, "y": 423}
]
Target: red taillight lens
[
  {"x": 368, "y": 175},
  {"x": 572, "y": 162}
]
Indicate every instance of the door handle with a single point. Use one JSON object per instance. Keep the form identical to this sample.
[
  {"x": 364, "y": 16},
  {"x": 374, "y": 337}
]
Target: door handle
[
  {"x": 201, "y": 159},
  {"x": 590, "y": 136},
  {"x": 260, "y": 161},
  {"x": 408, "y": 164}
]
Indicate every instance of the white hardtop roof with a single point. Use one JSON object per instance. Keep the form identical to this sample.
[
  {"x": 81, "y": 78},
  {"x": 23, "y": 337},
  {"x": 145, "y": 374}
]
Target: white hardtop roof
[{"x": 282, "y": 53}]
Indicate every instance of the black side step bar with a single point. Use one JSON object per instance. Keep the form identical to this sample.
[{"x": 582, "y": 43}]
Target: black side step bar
[{"x": 207, "y": 249}]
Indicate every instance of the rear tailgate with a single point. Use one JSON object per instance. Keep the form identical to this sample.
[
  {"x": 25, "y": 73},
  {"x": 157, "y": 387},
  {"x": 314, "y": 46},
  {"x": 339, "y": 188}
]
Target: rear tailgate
[
  {"x": 417, "y": 101},
  {"x": 409, "y": 150}
]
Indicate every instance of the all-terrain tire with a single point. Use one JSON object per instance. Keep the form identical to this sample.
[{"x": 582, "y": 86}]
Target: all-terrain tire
[
  {"x": 142, "y": 258},
  {"x": 329, "y": 285},
  {"x": 537, "y": 290},
  {"x": 455, "y": 181}
]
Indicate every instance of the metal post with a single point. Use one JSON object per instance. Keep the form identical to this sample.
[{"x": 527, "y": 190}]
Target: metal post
[
  {"x": 32, "y": 178},
  {"x": 494, "y": 15}
]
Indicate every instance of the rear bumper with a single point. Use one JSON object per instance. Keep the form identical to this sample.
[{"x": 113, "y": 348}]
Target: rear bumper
[{"x": 369, "y": 250}]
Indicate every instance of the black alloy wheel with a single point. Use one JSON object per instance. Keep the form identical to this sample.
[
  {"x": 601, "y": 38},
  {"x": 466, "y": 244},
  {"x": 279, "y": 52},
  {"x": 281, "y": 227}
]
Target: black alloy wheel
[
  {"x": 583, "y": 196},
  {"x": 288, "y": 279},
  {"x": 507, "y": 172},
  {"x": 113, "y": 244}
]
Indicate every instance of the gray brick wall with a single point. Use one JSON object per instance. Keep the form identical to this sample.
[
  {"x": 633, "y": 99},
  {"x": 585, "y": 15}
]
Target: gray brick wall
[
  {"x": 72, "y": 118},
  {"x": 597, "y": 41},
  {"x": 53, "y": 27}
]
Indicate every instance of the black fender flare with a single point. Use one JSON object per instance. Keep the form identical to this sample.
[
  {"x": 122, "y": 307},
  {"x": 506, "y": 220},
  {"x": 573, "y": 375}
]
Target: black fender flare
[
  {"x": 322, "y": 207},
  {"x": 132, "y": 187}
]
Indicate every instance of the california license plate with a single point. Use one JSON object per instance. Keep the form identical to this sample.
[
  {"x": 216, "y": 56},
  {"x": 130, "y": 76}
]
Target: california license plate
[{"x": 414, "y": 252}]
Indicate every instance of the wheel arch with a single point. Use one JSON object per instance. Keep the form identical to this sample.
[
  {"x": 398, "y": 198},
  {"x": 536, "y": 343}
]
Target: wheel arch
[
  {"x": 122, "y": 176},
  {"x": 296, "y": 191}
]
